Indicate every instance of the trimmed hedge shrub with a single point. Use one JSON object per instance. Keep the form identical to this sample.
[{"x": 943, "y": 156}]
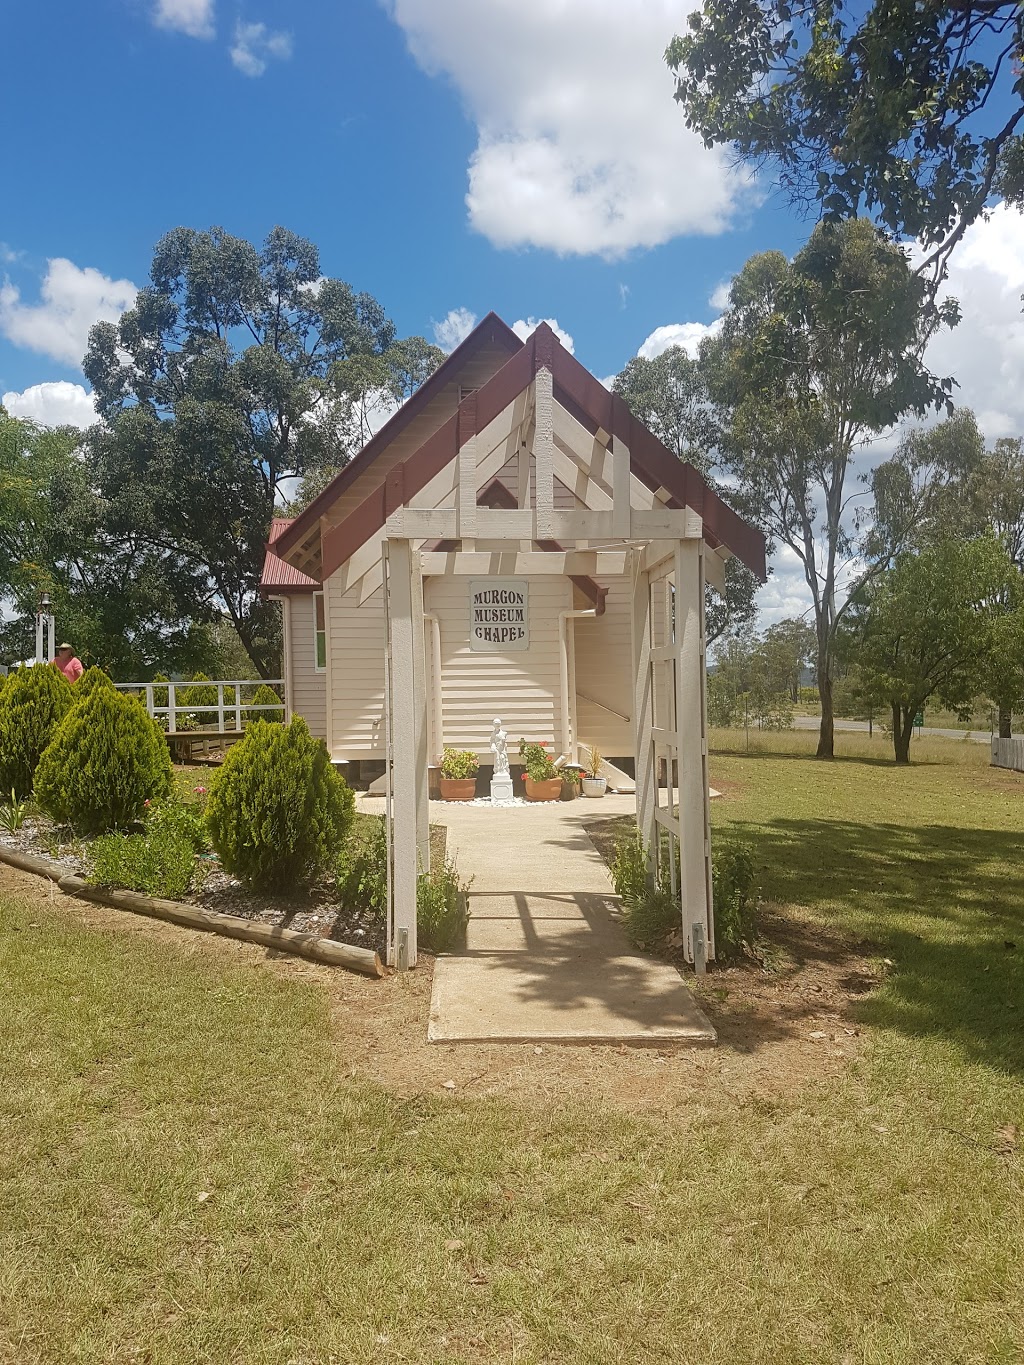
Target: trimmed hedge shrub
[
  {"x": 278, "y": 813},
  {"x": 105, "y": 761},
  {"x": 265, "y": 696},
  {"x": 195, "y": 697},
  {"x": 33, "y": 703},
  {"x": 90, "y": 679}
]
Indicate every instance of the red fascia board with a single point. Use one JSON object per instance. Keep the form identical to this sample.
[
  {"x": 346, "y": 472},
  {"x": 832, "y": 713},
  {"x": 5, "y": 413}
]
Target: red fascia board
[
  {"x": 408, "y": 477},
  {"x": 489, "y": 329},
  {"x": 655, "y": 463}
]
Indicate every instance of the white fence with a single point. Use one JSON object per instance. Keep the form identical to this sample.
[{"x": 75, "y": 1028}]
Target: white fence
[
  {"x": 1008, "y": 753},
  {"x": 228, "y": 706}
]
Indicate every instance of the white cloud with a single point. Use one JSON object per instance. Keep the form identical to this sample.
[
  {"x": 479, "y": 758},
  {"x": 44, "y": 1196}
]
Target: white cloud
[
  {"x": 54, "y": 404},
  {"x": 454, "y": 328},
  {"x": 191, "y": 17},
  {"x": 581, "y": 148},
  {"x": 72, "y": 299},
  {"x": 719, "y": 299},
  {"x": 986, "y": 352},
  {"x": 255, "y": 46},
  {"x": 525, "y": 327},
  {"x": 688, "y": 335}
]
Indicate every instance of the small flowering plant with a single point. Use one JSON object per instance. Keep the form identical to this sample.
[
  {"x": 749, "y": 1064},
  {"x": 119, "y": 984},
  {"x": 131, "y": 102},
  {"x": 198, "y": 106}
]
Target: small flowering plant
[{"x": 540, "y": 766}]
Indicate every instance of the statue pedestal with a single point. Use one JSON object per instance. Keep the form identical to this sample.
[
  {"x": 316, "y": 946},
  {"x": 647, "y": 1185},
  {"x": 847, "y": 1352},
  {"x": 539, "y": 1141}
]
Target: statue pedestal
[{"x": 501, "y": 787}]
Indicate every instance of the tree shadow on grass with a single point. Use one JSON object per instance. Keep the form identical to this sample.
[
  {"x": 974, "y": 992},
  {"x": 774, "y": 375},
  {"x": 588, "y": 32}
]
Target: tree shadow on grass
[{"x": 946, "y": 904}]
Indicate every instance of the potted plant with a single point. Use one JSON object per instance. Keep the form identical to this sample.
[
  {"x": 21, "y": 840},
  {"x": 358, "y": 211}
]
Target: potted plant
[
  {"x": 572, "y": 776},
  {"x": 542, "y": 779},
  {"x": 458, "y": 775},
  {"x": 593, "y": 783}
]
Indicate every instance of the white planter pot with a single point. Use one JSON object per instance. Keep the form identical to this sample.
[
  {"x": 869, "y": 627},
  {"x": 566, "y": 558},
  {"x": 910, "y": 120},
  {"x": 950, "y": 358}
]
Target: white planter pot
[{"x": 594, "y": 786}]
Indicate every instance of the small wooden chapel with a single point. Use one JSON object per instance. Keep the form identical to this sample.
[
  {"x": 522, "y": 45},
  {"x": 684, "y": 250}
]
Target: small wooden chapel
[{"x": 512, "y": 543}]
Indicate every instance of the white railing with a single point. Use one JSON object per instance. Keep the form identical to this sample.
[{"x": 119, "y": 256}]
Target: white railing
[
  {"x": 223, "y": 706},
  {"x": 1008, "y": 753}
]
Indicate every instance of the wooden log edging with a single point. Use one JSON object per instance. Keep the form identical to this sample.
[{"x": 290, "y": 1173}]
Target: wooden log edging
[{"x": 311, "y": 946}]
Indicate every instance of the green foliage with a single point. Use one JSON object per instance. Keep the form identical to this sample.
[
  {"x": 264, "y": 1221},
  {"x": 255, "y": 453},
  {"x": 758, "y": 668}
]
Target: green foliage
[
  {"x": 13, "y": 813},
  {"x": 815, "y": 356},
  {"x": 160, "y": 694},
  {"x": 159, "y": 863},
  {"x": 197, "y": 696},
  {"x": 669, "y": 394},
  {"x": 197, "y": 456},
  {"x": 539, "y": 764},
  {"x": 652, "y": 911},
  {"x": 278, "y": 812},
  {"x": 106, "y": 759},
  {"x": 32, "y": 704},
  {"x": 442, "y": 906},
  {"x": 733, "y": 877},
  {"x": 92, "y": 678},
  {"x": 934, "y": 625},
  {"x": 125, "y": 601},
  {"x": 361, "y": 872},
  {"x": 910, "y": 112},
  {"x": 266, "y": 696},
  {"x": 459, "y": 763},
  {"x": 183, "y": 820}
]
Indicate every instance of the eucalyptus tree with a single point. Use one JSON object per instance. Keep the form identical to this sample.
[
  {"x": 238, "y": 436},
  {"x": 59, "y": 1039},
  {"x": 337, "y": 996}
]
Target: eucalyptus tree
[
  {"x": 224, "y": 385},
  {"x": 669, "y": 394},
  {"x": 911, "y": 113},
  {"x": 815, "y": 357}
]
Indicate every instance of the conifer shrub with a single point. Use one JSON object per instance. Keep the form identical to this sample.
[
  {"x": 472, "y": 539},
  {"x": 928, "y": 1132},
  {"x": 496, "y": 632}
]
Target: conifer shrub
[
  {"x": 91, "y": 678},
  {"x": 196, "y": 696},
  {"x": 105, "y": 761},
  {"x": 32, "y": 704},
  {"x": 266, "y": 696},
  {"x": 160, "y": 693},
  {"x": 278, "y": 813}
]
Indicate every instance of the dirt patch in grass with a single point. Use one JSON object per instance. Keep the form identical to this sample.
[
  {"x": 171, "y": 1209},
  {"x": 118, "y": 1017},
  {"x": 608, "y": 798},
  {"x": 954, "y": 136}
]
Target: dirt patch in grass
[{"x": 765, "y": 1020}]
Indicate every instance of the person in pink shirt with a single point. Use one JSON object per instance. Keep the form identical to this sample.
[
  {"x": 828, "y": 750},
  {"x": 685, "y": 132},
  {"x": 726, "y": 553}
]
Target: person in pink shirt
[{"x": 68, "y": 664}]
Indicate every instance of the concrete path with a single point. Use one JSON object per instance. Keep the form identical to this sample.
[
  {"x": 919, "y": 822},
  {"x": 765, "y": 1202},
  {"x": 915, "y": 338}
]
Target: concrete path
[{"x": 545, "y": 957}]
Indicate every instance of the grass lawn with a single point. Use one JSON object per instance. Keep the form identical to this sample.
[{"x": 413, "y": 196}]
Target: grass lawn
[{"x": 190, "y": 1171}]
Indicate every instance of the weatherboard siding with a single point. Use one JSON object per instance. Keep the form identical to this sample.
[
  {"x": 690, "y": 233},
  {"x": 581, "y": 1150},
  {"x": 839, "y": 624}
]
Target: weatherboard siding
[
  {"x": 604, "y": 673},
  {"x": 355, "y": 645},
  {"x": 520, "y": 687},
  {"x": 308, "y": 690}
]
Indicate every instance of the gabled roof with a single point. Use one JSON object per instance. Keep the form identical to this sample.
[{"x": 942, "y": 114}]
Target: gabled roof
[
  {"x": 597, "y": 409},
  {"x": 490, "y": 330},
  {"x": 278, "y": 575}
]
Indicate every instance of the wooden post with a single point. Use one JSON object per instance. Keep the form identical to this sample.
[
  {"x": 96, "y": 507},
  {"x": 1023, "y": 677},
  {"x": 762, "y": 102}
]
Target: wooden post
[
  {"x": 643, "y": 742},
  {"x": 621, "y": 509},
  {"x": 404, "y": 738},
  {"x": 467, "y": 489},
  {"x": 709, "y": 938},
  {"x": 693, "y": 847},
  {"x": 421, "y": 717},
  {"x": 172, "y": 710}
]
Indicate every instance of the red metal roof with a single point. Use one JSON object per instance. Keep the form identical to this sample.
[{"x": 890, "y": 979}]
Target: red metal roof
[{"x": 278, "y": 576}]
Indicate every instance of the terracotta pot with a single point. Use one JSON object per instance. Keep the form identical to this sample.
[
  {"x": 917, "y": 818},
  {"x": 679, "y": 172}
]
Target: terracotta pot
[
  {"x": 550, "y": 789},
  {"x": 458, "y": 788}
]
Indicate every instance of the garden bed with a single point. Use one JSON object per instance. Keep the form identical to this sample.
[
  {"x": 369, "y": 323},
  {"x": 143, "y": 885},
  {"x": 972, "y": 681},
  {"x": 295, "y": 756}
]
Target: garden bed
[{"x": 315, "y": 911}]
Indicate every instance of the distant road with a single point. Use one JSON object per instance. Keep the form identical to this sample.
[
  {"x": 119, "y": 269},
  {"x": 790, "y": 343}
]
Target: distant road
[{"x": 812, "y": 723}]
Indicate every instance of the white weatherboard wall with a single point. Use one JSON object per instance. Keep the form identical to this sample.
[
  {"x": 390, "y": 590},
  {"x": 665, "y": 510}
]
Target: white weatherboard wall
[
  {"x": 356, "y": 640},
  {"x": 522, "y": 688},
  {"x": 308, "y": 688},
  {"x": 604, "y": 674}
]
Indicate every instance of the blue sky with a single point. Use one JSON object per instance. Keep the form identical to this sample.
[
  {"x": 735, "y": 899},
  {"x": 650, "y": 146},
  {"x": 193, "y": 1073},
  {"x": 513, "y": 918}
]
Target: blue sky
[{"x": 450, "y": 156}]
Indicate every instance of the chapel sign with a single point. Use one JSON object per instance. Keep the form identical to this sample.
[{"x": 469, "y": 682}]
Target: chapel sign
[{"x": 499, "y": 614}]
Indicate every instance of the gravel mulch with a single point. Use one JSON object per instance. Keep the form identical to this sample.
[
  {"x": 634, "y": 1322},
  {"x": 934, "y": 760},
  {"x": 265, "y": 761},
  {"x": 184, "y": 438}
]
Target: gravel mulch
[{"x": 309, "y": 912}]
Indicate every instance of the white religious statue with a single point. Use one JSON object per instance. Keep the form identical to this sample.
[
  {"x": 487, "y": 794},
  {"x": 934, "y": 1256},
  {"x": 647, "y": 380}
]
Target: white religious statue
[
  {"x": 501, "y": 782},
  {"x": 499, "y": 747}
]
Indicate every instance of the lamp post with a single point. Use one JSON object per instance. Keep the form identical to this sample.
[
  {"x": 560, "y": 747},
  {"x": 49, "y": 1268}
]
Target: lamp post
[{"x": 44, "y": 630}]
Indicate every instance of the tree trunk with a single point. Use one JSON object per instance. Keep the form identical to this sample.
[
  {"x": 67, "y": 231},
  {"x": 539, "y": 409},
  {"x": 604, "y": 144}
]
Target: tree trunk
[
  {"x": 902, "y": 731},
  {"x": 1005, "y": 723},
  {"x": 826, "y": 732}
]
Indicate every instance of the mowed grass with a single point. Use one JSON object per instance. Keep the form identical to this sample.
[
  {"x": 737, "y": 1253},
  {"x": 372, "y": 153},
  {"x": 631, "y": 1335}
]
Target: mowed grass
[{"x": 188, "y": 1171}]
